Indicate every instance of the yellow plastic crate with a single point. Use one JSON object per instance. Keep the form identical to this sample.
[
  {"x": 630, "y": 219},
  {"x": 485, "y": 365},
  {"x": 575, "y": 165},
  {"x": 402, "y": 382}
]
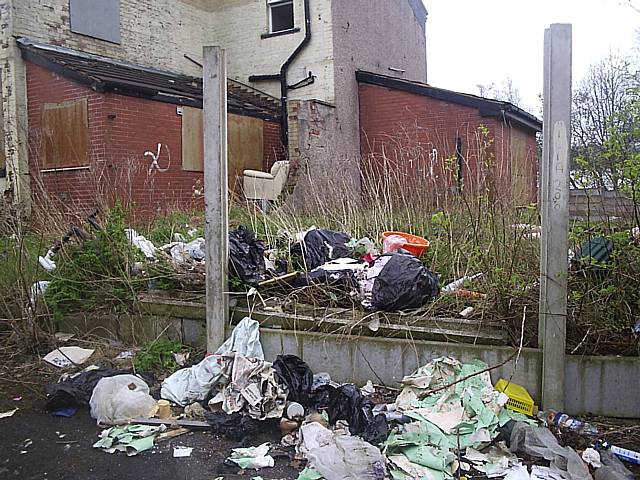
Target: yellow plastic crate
[{"x": 519, "y": 398}]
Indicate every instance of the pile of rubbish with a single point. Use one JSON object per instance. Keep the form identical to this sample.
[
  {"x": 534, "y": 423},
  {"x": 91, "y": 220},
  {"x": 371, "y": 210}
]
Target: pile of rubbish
[
  {"x": 448, "y": 420},
  {"x": 393, "y": 280}
]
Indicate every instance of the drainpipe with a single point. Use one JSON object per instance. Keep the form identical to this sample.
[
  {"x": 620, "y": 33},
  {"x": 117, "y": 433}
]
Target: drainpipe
[
  {"x": 282, "y": 76},
  {"x": 284, "y": 87}
]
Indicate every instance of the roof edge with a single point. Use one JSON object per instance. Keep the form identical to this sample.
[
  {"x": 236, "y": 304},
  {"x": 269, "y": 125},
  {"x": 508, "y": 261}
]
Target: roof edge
[{"x": 486, "y": 107}]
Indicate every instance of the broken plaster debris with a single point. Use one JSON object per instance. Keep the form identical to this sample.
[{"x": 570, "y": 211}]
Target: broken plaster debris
[{"x": 131, "y": 439}]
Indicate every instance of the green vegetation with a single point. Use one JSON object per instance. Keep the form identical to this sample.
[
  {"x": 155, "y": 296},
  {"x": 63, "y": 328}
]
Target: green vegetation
[
  {"x": 157, "y": 355},
  {"x": 95, "y": 273}
]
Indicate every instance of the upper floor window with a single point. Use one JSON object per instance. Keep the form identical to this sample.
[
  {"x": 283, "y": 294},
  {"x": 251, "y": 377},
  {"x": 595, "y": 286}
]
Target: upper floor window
[
  {"x": 280, "y": 15},
  {"x": 96, "y": 18}
]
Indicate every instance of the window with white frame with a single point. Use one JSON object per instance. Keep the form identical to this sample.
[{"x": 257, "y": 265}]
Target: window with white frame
[{"x": 280, "y": 15}]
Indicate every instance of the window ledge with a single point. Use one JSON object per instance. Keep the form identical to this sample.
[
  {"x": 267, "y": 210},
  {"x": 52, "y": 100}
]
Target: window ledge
[
  {"x": 281, "y": 32},
  {"x": 64, "y": 169}
]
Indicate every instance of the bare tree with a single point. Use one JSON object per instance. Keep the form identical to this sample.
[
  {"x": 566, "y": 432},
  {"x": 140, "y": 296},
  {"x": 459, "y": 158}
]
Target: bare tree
[
  {"x": 597, "y": 101},
  {"x": 505, "y": 91}
]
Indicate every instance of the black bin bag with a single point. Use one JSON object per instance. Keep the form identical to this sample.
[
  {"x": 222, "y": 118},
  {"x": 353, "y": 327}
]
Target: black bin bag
[{"x": 403, "y": 283}]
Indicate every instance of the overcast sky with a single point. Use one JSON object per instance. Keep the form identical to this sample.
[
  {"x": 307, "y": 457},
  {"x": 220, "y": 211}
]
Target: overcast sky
[{"x": 472, "y": 42}]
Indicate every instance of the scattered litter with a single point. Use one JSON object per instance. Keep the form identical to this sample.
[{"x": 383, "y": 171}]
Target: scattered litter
[
  {"x": 296, "y": 375},
  {"x": 139, "y": 241},
  {"x": 195, "y": 411},
  {"x": 456, "y": 284},
  {"x": 76, "y": 391},
  {"x": 393, "y": 243},
  {"x": 181, "y": 358},
  {"x": 612, "y": 468},
  {"x": 309, "y": 474},
  {"x": 237, "y": 426},
  {"x": 252, "y": 457},
  {"x": 131, "y": 439},
  {"x": 37, "y": 289},
  {"x": 65, "y": 412},
  {"x": 318, "y": 247},
  {"x": 246, "y": 255},
  {"x": 466, "y": 312},
  {"x": 126, "y": 355},
  {"x": 164, "y": 409},
  {"x": 193, "y": 384},
  {"x": 252, "y": 386},
  {"x": 121, "y": 398},
  {"x": 340, "y": 456},
  {"x": 64, "y": 337},
  {"x": 47, "y": 261},
  {"x": 592, "y": 457},
  {"x": 540, "y": 442},
  {"x": 67, "y": 356},
  {"x": 368, "y": 389},
  {"x": 397, "y": 282},
  {"x": 181, "y": 452},
  {"x": 8, "y": 414}
]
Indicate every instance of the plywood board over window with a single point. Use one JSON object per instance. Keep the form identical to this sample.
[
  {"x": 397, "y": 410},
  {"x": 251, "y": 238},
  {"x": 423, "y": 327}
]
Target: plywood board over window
[
  {"x": 192, "y": 140},
  {"x": 65, "y": 132},
  {"x": 244, "y": 137}
]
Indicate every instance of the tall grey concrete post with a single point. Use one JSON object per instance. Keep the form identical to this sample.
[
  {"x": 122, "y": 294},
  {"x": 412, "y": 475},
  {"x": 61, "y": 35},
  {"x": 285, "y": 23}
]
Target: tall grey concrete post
[
  {"x": 216, "y": 194},
  {"x": 554, "y": 196}
]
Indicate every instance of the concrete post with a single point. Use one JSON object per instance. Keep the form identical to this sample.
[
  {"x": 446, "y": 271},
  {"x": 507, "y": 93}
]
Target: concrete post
[
  {"x": 554, "y": 196},
  {"x": 215, "y": 194}
]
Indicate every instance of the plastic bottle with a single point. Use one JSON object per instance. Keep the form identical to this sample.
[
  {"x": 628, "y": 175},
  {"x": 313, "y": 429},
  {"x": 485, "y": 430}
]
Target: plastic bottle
[
  {"x": 562, "y": 420},
  {"x": 622, "y": 453}
]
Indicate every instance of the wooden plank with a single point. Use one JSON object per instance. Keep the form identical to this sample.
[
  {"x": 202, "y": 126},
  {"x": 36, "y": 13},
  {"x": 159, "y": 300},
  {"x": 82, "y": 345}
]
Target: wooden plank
[
  {"x": 245, "y": 147},
  {"x": 192, "y": 140}
]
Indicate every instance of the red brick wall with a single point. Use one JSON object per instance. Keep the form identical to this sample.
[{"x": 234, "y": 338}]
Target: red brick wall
[
  {"x": 413, "y": 137},
  {"x": 121, "y": 130},
  {"x": 272, "y": 144}
]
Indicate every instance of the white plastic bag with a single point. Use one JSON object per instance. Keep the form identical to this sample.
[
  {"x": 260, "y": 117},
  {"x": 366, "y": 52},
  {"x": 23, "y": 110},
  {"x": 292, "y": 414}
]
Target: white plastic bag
[
  {"x": 193, "y": 384},
  {"x": 118, "y": 399}
]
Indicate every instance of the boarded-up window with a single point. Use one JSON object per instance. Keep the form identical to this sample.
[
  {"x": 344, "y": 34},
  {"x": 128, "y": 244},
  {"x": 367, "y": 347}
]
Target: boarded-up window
[
  {"x": 192, "y": 140},
  {"x": 244, "y": 143},
  {"x": 65, "y": 132},
  {"x": 96, "y": 18}
]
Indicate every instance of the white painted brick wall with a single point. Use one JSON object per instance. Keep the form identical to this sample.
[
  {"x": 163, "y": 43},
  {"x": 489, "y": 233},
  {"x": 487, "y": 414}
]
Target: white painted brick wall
[
  {"x": 239, "y": 29},
  {"x": 157, "y": 33}
]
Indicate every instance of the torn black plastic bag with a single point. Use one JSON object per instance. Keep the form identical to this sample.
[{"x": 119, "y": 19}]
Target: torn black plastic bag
[
  {"x": 348, "y": 403},
  {"x": 76, "y": 392},
  {"x": 344, "y": 280},
  {"x": 403, "y": 283},
  {"x": 236, "y": 426},
  {"x": 296, "y": 375},
  {"x": 246, "y": 255},
  {"x": 320, "y": 246}
]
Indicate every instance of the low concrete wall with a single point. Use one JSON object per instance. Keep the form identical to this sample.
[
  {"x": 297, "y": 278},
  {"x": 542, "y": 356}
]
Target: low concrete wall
[{"x": 606, "y": 386}]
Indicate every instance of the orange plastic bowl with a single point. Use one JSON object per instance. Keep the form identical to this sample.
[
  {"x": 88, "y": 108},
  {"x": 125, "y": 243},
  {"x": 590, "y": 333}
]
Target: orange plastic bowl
[{"x": 415, "y": 244}]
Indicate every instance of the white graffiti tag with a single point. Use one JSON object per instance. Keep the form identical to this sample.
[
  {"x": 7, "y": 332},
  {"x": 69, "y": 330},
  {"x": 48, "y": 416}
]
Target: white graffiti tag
[{"x": 154, "y": 163}]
